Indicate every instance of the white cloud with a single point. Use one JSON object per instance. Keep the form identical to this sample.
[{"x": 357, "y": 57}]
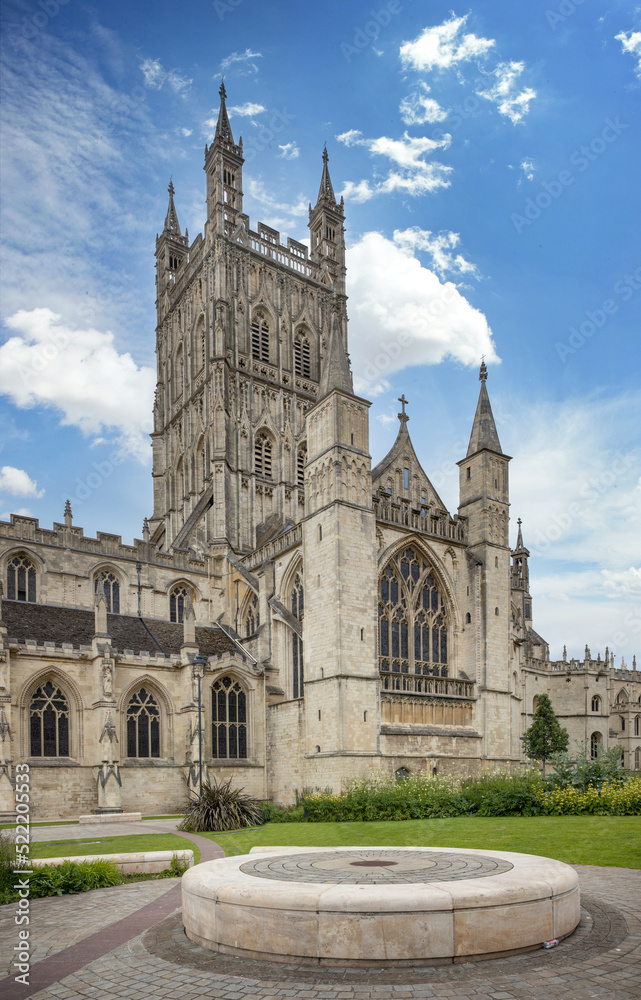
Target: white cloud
[
  {"x": 511, "y": 102},
  {"x": 438, "y": 246},
  {"x": 156, "y": 75},
  {"x": 417, "y": 108},
  {"x": 184, "y": 132},
  {"x": 20, "y": 512},
  {"x": 415, "y": 175},
  {"x": 47, "y": 363},
  {"x": 527, "y": 166},
  {"x": 289, "y": 151},
  {"x": 444, "y": 46},
  {"x": 402, "y": 314},
  {"x": 247, "y": 110},
  {"x": 18, "y": 483},
  {"x": 279, "y": 213},
  {"x": 631, "y": 43},
  {"x": 627, "y": 581},
  {"x": 242, "y": 60}
]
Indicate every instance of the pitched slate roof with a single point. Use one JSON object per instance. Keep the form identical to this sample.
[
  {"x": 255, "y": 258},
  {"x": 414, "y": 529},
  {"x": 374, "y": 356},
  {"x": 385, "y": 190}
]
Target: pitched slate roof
[{"x": 48, "y": 623}]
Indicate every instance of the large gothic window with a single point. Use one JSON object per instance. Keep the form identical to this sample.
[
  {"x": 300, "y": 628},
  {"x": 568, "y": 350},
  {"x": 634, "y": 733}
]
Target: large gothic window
[
  {"x": 413, "y": 618},
  {"x": 49, "y": 722},
  {"x": 263, "y": 456},
  {"x": 111, "y": 588},
  {"x": 228, "y": 720},
  {"x": 177, "y": 599},
  {"x": 21, "y": 579},
  {"x": 260, "y": 339},
  {"x": 298, "y": 608},
  {"x": 302, "y": 356},
  {"x": 301, "y": 461},
  {"x": 143, "y": 725},
  {"x": 252, "y": 617}
]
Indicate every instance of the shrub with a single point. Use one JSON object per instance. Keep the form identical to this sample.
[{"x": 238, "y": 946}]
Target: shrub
[
  {"x": 7, "y": 865},
  {"x": 221, "y": 807},
  {"x": 583, "y": 771},
  {"x": 72, "y": 876}
]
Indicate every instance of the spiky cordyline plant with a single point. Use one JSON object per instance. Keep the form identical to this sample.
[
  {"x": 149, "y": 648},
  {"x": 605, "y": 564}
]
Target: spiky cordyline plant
[{"x": 221, "y": 807}]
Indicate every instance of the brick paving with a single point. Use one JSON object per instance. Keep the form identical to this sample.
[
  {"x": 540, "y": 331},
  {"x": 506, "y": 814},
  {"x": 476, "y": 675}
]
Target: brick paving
[{"x": 153, "y": 958}]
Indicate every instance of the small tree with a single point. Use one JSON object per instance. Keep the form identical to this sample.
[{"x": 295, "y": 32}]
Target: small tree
[{"x": 545, "y": 736}]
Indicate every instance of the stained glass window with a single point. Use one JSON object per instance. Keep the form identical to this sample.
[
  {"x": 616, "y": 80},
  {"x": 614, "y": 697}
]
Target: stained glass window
[
  {"x": 21, "y": 579},
  {"x": 112, "y": 590},
  {"x": 228, "y": 720},
  {"x": 143, "y": 725},
  {"x": 49, "y": 722}
]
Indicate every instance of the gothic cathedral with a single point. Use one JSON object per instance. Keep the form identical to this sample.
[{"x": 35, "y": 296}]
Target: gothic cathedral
[{"x": 291, "y": 617}]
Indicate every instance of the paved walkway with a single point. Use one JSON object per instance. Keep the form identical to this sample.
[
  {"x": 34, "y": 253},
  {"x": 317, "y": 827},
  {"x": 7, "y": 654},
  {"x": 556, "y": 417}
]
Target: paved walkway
[{"x": 126, "y": 943}]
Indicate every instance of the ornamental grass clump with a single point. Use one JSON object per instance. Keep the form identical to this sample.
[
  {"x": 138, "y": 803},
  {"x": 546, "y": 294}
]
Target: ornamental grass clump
[
  {"x": 221, "y": 807},
  {"x": 72, "y": 876}
]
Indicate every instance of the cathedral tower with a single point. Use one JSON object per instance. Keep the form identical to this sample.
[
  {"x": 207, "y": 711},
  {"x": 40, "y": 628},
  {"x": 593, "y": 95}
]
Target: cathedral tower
[{"x": 484, "y": 501}]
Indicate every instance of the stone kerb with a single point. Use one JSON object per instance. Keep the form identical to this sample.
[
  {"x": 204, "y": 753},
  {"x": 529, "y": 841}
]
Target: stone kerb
[
  {"x": 111, "y": 817},
  {"x": 135, "y": 863}
]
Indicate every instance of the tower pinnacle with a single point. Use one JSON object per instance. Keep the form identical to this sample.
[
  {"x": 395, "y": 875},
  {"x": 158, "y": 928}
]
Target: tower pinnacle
[
  {"x": 223, "y": 128},
  {"x": 484, "y": 433},
  {"x": 171, "y": 219}
]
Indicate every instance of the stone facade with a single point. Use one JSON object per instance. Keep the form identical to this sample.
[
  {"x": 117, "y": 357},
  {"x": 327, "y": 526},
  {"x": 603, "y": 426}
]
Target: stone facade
[{"x": 323, "y": 619}]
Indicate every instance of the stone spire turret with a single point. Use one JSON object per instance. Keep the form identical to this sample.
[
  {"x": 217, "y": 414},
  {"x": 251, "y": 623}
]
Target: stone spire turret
[
  {"x": 484, "y": 434},
  {"x": 336, "y": 373},
  {"x": 171, "y": 219},
  {"x": 223, "y": 128}
]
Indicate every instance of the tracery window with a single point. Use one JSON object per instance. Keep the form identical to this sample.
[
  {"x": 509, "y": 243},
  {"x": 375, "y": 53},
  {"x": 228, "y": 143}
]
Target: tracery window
[
  {"x": 595, "y": 743},
  {"x": 413, "y": 618},
  {"x": 298, "y": 608},
  {"x": 49, "y": 722},
  {"x": 252, "y": 616},
  {"x": 177, "y": 599},
  {"x": 111, "y": 588},
  {"x": 302, "y": 356},
  {"x": 596, "y": 703},
  {"x": 263, "y": 456},
  {"x": 228, "y": 720},
  {"x": 260, "y": 339},
  {"x": 21, "y": 579},
  {"x": 143, "y": 725},
  {"x": 301, "y": 461}
]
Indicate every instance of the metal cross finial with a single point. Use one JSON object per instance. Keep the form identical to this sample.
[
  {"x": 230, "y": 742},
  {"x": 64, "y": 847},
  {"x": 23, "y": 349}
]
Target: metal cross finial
[
  {"x": 519, "y": 521},
  {"x": 483, "y": 371},
  {"x": 403, "y": 417},
  {"x": 222, "y": 92}
]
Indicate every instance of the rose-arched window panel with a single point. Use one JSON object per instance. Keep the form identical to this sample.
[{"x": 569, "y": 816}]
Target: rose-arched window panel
[
  {"x": 143, "y": 725},
  {"x": 21, "y": 579},
  {"x": 413, "y": 618},
  {"x": 49, "y": 722}
]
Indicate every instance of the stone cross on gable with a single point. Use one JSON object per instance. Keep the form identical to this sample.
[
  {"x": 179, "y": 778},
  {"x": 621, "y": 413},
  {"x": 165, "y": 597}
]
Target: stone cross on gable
[{"x": 403, "y": 417}]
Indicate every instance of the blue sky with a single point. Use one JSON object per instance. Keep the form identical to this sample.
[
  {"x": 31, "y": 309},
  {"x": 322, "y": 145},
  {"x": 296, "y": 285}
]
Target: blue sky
[{"x": 486, "y": 156}]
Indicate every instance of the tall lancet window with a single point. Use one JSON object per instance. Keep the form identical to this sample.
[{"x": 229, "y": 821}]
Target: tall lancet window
[
  {"x": 298, "y": 608},
  {"x": 301, "y": 461},
  {"x": 21, "y": 579},
  {"x": 260, "y": 339},
  {"x": 143, "y": 725},
  {"x": 111, "y": 588},
  {"x": 49, "y": 722},
  {"x": 302, "y": 356},
  {"x": 263, "y": 456},
  {"x": 413, "y": 618}
]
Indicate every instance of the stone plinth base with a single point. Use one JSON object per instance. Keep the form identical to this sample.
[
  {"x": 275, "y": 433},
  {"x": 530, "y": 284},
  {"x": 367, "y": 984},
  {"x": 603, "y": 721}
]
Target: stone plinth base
[
  {"x": 111, "y": 817},
  {"x": 378, "y": 905},
  {"x": 136, "y": 863}
]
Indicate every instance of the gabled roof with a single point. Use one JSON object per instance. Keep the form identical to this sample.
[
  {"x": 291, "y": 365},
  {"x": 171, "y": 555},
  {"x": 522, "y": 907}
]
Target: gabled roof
[{"x": 401, "y": 448}]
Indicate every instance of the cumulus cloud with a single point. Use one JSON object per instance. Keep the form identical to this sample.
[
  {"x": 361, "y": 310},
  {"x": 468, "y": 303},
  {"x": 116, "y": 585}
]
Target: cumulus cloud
[
  {"x": 631, "y": 42},
  {"x": 155, "y": 76},
  {"x": 18, "y": 483},
  {"x": 505, "y": 93},
  {"x": 439, "y": 246},
  {"x": 418, "y": 109},
  {"x": 243, "y": 61},
  {"x": 289, "y": 151},
  {"x": 402, "y": 314},
  {"x": 47, "y": 363},
  {"x": 527, "y": 166},
  {"x": 415, "y": 175},
  {"x": 278, "y": 213},
  {"x": 247, "y": 110},
  {"x": 444, "y": 46}
]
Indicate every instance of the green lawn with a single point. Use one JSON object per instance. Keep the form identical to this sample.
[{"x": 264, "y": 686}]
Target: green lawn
[
  {"x": 114, "y": 845},
  {"x": 579, "y": 840}
]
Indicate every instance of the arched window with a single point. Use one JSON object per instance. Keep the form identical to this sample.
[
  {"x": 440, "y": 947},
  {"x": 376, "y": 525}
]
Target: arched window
[
  {"x": 596, "y": 703},
  {"x": 177, "y": 598},
  {"x": 49, "y": 722},
  {"x": 622, "y": 721},
  {"x": 302, "y": 356},
  {"x": 622, "y": 697},
  {"x": 637, "y": 758},
  {"x": 637, "y": 725},
  {"x": 468, "y": 619},
  {"x": 413, "y": 619},
  {"x": 263, "y": 456},
  {"x": 111, "y": 588},
  {"x": 260, "y": 339},
  {"x": 535, "y": 702},
  {"x": 21, "y": 579},
  {"x": 301, "y": 461},
  {"x": 595, "y": 742},
  {"x": 298, "y": 608},
  {"x": 143, "y": 725},
  {"x": 228, "y": 720},
  {"x": 252, "y": 617}
]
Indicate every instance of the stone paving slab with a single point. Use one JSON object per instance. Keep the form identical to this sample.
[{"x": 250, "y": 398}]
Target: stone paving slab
[
  {"x": 602, "y": 960},
  {"x": 86, "y": 831}
]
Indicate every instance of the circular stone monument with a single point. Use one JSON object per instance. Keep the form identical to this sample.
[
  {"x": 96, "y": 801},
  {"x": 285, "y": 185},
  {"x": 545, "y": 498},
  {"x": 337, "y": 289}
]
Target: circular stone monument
[{"x": 388, "y": 906}]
